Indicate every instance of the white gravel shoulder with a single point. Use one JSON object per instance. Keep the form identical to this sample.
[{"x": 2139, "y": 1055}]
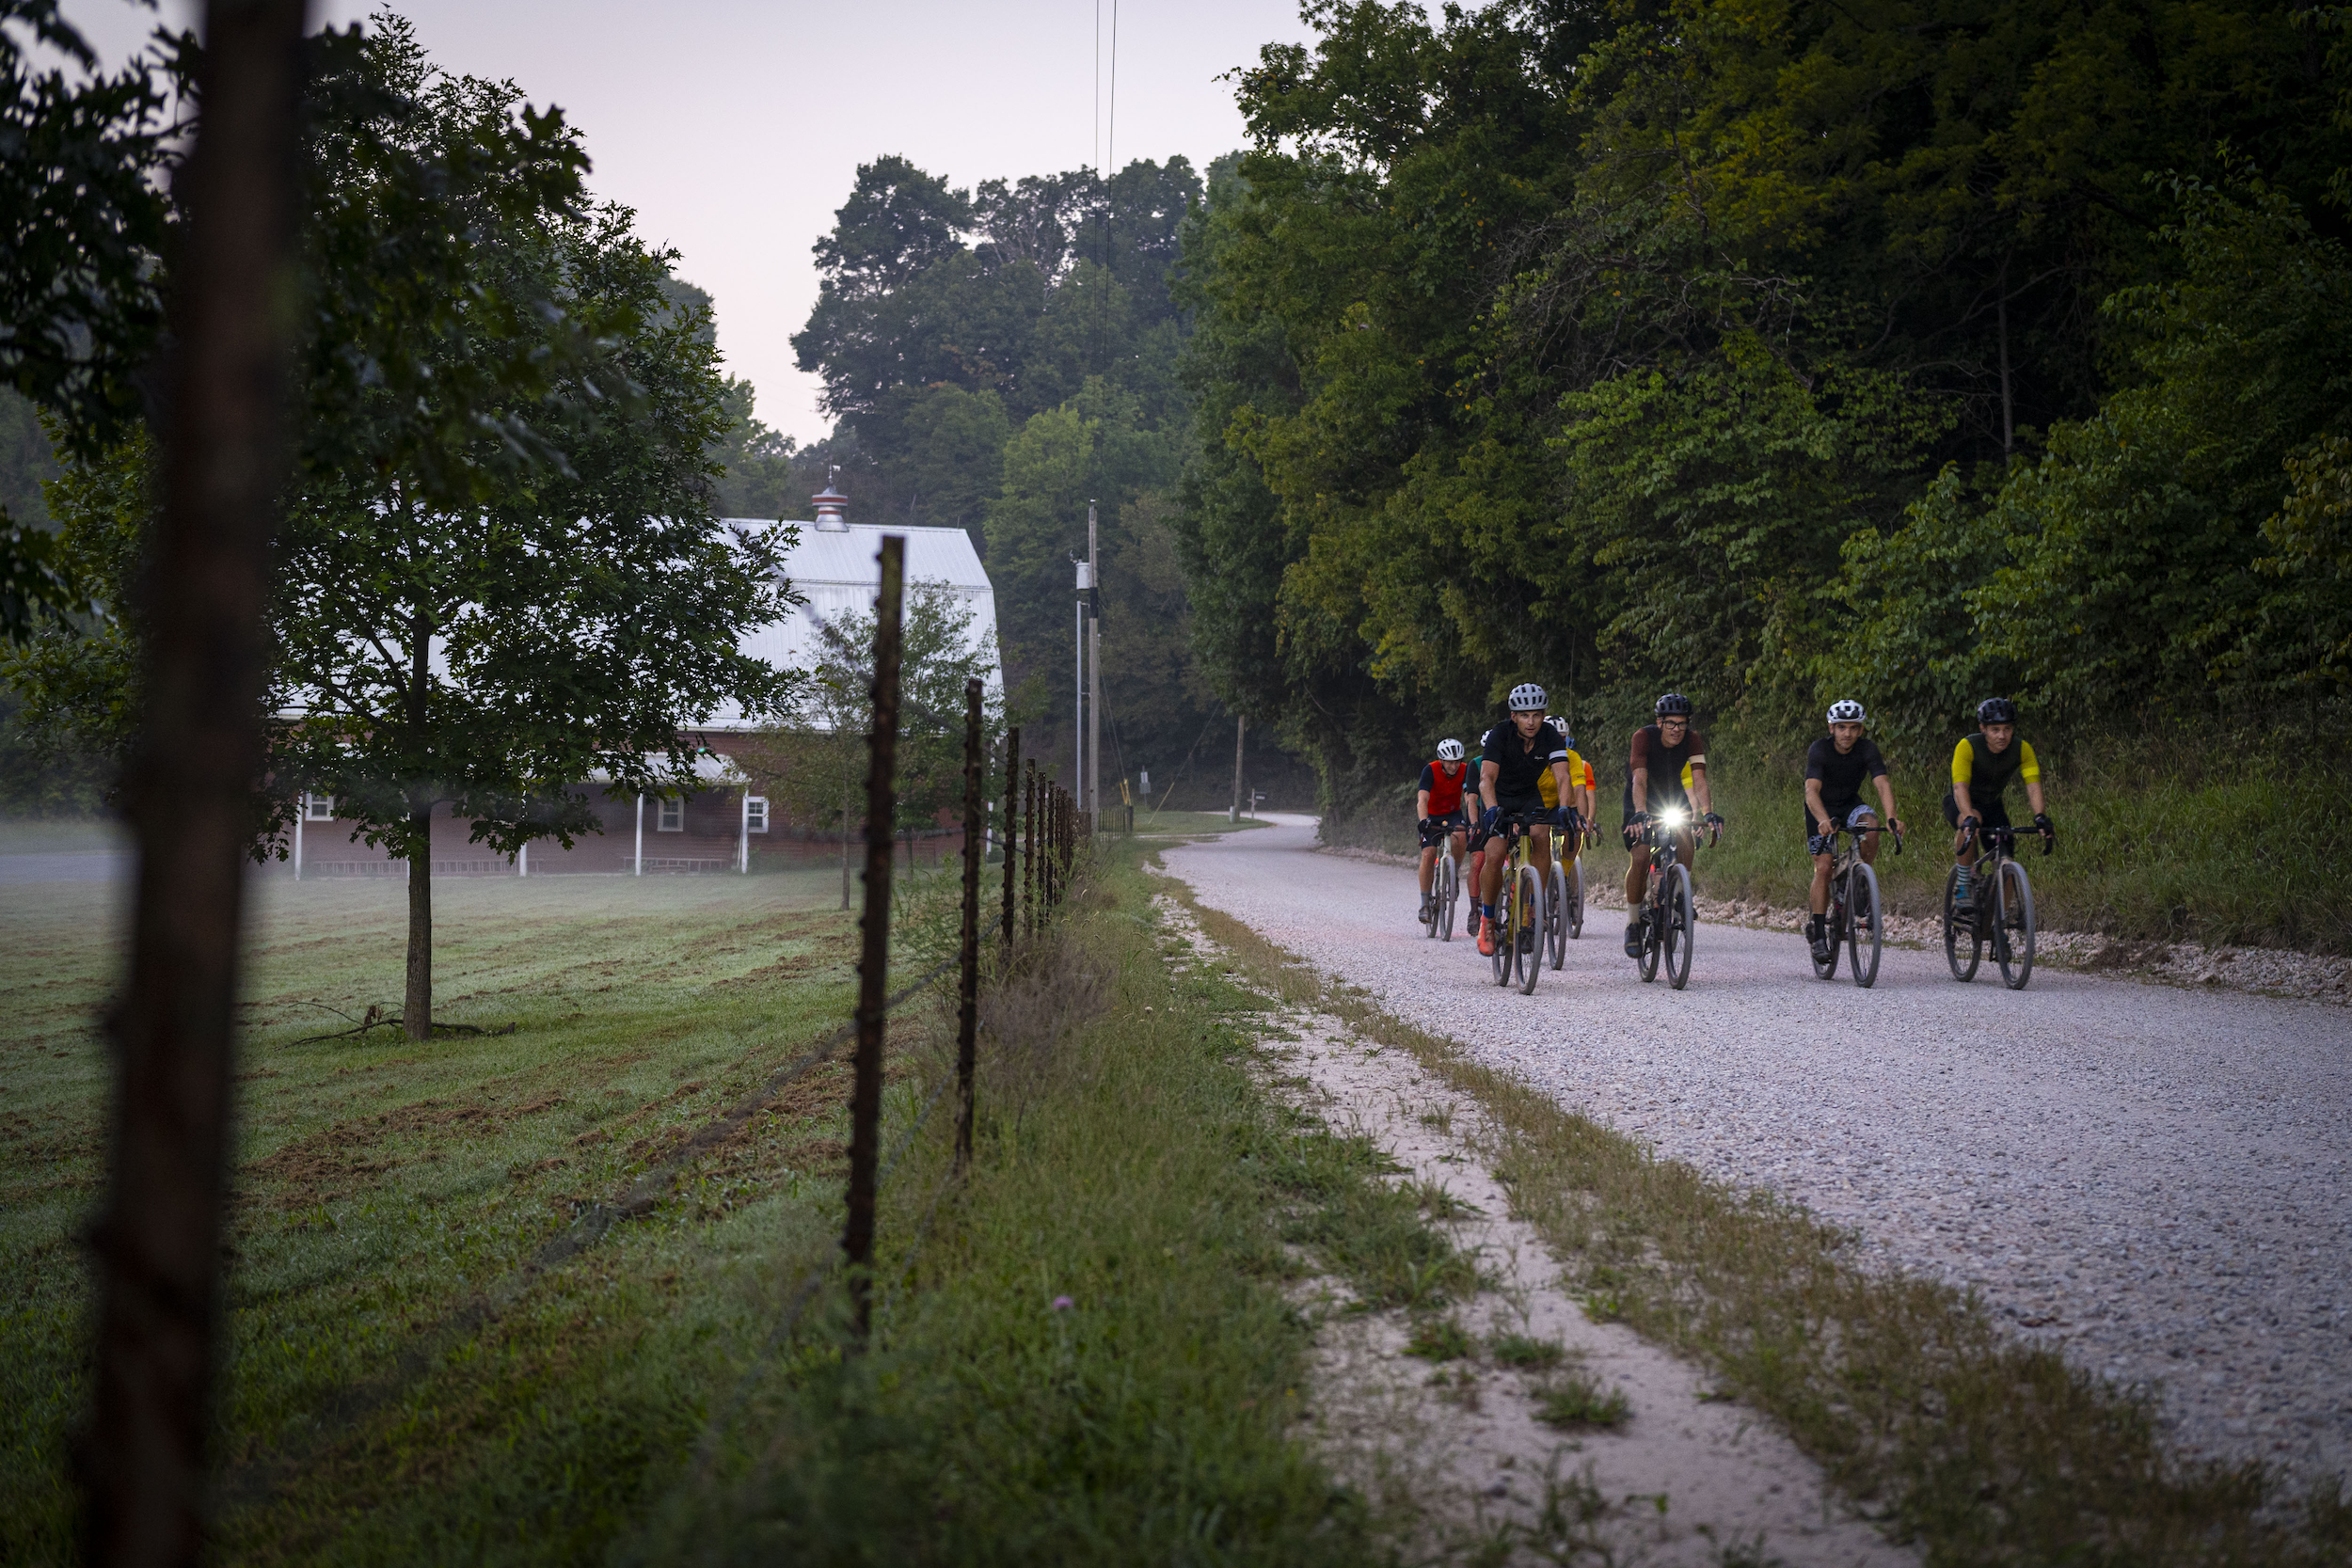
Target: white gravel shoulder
[{"x": 2155, "y": 1179}]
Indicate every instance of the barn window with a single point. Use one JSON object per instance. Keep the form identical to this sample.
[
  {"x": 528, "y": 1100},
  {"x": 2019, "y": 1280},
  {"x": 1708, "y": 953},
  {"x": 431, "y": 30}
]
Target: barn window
[
  {"x": 755, "y": 814},
  {"x": 670, "y": 819},
  {"x": 318, "y": 808}
]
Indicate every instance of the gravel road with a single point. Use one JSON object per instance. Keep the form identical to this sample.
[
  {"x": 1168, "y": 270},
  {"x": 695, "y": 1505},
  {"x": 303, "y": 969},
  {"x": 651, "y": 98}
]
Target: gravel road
[{"x": 2158, "y": 1181}]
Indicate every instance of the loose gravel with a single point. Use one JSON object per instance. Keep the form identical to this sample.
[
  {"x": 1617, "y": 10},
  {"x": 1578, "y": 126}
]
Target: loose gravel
[{"x": 2155, "y": 1179}]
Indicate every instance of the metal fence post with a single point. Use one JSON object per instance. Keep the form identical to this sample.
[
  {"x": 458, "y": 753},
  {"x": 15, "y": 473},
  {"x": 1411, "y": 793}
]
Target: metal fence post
[
  {"x": 968, "y": 1008},
  {"x": 1028, "y": 853},
  {"x": 857, "y": 1236},
  {"x": 1012, "y": 823}
]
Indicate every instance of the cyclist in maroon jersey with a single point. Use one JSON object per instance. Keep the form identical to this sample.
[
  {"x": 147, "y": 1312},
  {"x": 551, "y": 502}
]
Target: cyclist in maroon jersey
[
  {"x": 1438, "y": 804},
  {"x": 1665, "y": 779}
]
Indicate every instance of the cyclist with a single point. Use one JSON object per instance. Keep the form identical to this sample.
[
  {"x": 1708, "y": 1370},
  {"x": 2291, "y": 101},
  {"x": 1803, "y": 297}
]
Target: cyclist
[
  {"x": 1835, "y": 768},
  {"x": 1983, "y": 765},
  {"x": 1516, "y": 756},
  {"x": 1666, "y": 770},
  {"x": 1438, "y": 805},
  {"x": 1579, "y": 790}
]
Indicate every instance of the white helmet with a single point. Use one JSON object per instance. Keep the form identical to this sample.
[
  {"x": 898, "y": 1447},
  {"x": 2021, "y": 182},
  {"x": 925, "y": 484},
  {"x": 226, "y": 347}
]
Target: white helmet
[
  {"x": 1529, "y": 698},
  {"x": 1449, "y": 751},
  {"x": 1847, "y": 711}
]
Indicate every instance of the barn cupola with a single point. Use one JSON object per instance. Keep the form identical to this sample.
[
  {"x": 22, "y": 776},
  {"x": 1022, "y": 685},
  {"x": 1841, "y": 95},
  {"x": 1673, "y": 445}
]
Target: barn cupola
[{"x": 833, "y": 507}]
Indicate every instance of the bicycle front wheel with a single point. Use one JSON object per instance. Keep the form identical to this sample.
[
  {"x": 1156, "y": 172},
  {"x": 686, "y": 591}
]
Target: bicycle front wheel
[
  {"x": 1576, "y": 898},
  {"x": 1833, "y": 924},
  {"x": 1502, "y": 927},
  {"x": 1530, "y": 947},
  {"x": 1963, "y": 947},
  {"x": 1862, "y": 935},
  {"x": 1681, "y": 925},
  {"x": 1449, "y": 890},
  {"x": 1556, "y": 915},
  {"x": 2014, "y": 937}
]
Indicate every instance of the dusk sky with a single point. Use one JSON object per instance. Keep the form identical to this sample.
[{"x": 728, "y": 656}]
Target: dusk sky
[{"x": 735, "y": 128}]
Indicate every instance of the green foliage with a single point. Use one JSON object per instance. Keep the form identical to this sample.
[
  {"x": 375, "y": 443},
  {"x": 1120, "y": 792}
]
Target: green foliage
[
  {"x": 1621, "y": 351},
  {"x": 486, "y": 596}
]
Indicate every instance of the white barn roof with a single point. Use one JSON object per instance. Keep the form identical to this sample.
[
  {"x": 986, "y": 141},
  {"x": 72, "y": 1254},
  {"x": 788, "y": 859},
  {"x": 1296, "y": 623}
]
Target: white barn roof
[{"x": 837, "y": 572}]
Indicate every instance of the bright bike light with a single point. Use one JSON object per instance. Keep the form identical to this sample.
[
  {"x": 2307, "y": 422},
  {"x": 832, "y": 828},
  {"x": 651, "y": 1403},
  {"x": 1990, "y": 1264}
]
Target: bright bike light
[{"x": 1673, "y": 816}]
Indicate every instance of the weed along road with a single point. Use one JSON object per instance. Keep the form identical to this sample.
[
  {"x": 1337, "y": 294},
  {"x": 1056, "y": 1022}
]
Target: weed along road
[{"x": 2156, "y": 1180}]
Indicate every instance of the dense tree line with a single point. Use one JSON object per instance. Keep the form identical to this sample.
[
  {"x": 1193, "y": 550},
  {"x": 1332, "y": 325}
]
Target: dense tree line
[
  {"x": 996, "y": 357},
  {"x": 1915, "y": 350}
]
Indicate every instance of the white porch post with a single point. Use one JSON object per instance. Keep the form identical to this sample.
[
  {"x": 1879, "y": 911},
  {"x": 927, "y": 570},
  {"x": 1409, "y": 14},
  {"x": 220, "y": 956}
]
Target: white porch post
[
  {"x": 522, "y": 860},
  {"x": 743, "y": 850},
  {"x": 638, "y": 869},
  {"x": 302, "y": 809}
]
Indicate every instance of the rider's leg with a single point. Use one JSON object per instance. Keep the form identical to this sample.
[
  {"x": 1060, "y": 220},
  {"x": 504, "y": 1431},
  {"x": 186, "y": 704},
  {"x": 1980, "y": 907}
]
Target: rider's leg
[
  {"x": 1821, "y": 864},
  {"x": 1543, "y": 852},
  {"x": 1428, "y": 868},
  {"x": 1637, "y": 877},
  {"x": 1491, "y": 875}
]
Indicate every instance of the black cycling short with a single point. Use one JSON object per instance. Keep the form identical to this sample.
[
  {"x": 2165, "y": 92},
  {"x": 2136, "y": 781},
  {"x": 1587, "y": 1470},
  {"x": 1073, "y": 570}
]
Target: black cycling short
[
  {"x": 1435, "y": 830},
  {"x": 1993, "y": 812},
  {"x": 1525, "y": 809},
  {"x": 1840, "y": 812}
]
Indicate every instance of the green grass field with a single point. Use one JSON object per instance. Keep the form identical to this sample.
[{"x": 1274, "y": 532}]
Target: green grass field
[{"x": 400, "y": 1390}]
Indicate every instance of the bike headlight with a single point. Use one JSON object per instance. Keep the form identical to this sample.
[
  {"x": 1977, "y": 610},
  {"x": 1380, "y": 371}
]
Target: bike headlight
[{"x": 1673, "y": 816}]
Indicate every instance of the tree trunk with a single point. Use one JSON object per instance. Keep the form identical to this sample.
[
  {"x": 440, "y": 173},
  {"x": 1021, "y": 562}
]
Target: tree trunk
[
  {"x": 416, "y": 1011},
  {"x": 188, "y": 793}
]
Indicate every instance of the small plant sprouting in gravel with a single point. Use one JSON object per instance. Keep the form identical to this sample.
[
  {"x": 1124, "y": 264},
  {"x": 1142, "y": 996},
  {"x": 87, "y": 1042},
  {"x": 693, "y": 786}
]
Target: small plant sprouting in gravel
[
  {"x": 1439, "y": 1120},
  {"x": 1574, "y": 1400},
  {"x": 1439, "y": 1340},
  {"x": 1525, "y": 1352},
  {"x": 1438, "y": 1204}
]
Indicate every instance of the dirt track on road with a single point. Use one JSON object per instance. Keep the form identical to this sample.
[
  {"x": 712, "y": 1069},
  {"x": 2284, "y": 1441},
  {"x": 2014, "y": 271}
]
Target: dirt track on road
[{"x": 2156, "y": 1180}]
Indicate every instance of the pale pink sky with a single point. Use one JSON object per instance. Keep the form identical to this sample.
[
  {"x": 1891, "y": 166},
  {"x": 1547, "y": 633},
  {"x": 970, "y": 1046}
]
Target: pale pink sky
[{"x": 734, "y": 128}]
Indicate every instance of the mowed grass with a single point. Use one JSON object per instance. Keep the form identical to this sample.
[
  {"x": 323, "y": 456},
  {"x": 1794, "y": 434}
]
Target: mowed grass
[
  {"x": 381, "y": 1184},
  {"x": 402, "y": 1389}
]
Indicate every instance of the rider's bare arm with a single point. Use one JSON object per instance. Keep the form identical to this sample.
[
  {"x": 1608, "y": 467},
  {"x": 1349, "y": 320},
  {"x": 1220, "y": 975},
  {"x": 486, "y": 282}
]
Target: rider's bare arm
[
  {"x": 1421, "y": 804},
  {"x": 1487, "y": 773},
  {"x": 1698, "y": 787},
  {"x": 1812, "y": 806},
  {"x": 1641, "y": 790},
  {"x": 1886, "y": 799},
  {"x": 2033, "y": 796}
]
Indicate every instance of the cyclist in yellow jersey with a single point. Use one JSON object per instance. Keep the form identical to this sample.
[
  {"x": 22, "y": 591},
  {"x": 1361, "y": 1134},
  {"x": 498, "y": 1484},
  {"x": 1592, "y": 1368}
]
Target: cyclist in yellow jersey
[{"x": 1983, "y": 764}]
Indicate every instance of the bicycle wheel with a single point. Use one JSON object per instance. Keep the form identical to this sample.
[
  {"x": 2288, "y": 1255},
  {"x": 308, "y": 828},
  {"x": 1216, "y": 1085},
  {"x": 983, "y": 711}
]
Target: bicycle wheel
[
  {"x": 1506, "y": 932},
  {"x": 1833, "y": 923},
  {"x": 1657, "y": 921},
  {"x": 1449, "y": 892},
  {"x": 1556, "y": 915},
  {"x": 1681, "y": 925},
  {"x": 2013, "y": 898},
  {"x": 1576, "y": 898},
  {"x": 1960, "y": 933},
  {"x": 1862, "y": 935},
  {"x": 1531, "y": 943}
]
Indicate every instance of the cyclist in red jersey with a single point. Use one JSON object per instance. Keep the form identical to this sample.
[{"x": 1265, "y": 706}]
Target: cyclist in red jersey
[{"x": 1438, "y": 804}]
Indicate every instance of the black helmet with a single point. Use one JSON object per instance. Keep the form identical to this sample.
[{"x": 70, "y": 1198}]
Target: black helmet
[
  {"x": 1996, "y": 710},
  {"x": 1673, "y": 702}
]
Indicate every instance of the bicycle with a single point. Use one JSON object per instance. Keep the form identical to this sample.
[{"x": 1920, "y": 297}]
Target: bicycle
[
  {"x": 1563, "y": 898},
  {"x": 1671, "y": 910},
  {"x": 1446, "y": 890},
  {"x": 1855, "y": 914},
  {"x": 2002, "y": 920},
  {"x": 1520, "y": 915}
]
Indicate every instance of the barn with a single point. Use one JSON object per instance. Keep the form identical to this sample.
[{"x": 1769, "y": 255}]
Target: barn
[{"x": 720, "y": 825}]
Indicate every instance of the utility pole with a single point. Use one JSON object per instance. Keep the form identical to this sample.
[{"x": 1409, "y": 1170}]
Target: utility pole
[
  {"x": 1240, "y": 724},
  {"x": 1078, "y": 709},
  {"x": 1094, "y": 670}
]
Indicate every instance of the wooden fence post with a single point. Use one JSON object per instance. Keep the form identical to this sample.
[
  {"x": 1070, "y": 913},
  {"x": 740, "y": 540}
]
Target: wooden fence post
[
  {"x": 1013, "y": 822},
  {"x": 857, "y": 1236},
  {"x": 1028, "y": 853},
  {"x": 188, "y": 794},
  {"x": 968, "y": 1001}
]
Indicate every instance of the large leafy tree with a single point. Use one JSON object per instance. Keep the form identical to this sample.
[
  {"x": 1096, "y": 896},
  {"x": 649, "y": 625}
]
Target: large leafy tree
[
  {"x": 83, "y": 220},
  {"x": 483, "y": 602},
  {"x": 1554, "y": 341}
]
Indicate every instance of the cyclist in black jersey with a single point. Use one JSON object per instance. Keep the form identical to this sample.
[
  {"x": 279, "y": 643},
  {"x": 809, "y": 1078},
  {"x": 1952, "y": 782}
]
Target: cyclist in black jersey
[
  {"x": 1835, "y": 768},
  {"x": 1665, "y": 778},
  {"x": 1515, "y": 755}
]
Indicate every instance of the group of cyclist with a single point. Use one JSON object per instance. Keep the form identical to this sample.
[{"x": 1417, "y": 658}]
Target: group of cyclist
[{"x": 1527, "y": 777}]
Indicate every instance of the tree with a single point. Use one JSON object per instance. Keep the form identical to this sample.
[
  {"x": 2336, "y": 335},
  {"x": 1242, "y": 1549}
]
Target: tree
[
  {"x": 537, "y": 591},
  {"x": 81, "y": 302}
]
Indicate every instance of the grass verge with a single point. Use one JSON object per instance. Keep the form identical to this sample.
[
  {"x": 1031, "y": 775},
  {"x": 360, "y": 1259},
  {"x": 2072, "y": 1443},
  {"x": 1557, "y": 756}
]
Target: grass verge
[
  {"x": 1980, "y": 1450},
  {"x": 1087, "y": 1350}
]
